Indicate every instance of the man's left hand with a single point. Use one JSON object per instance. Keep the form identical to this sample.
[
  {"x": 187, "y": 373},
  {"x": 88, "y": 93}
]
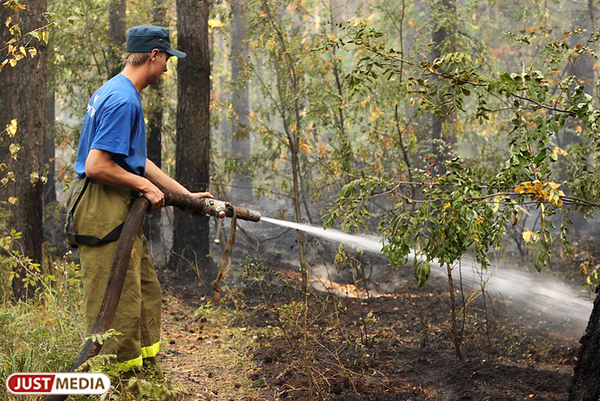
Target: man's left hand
[{"x": 201, "y": 195}]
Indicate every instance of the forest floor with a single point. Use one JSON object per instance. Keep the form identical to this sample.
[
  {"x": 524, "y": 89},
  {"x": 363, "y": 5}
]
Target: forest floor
[{"x": 259, "y": 344}]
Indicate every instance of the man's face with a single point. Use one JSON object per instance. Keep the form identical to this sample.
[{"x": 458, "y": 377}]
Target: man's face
[{"x": 158, "y": 66}]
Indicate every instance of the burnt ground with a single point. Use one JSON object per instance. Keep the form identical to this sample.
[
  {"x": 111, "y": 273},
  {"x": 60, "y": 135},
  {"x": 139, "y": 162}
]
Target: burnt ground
[
  {"x": 259, "y": 344},
  {"x": 368, "y": 333}
]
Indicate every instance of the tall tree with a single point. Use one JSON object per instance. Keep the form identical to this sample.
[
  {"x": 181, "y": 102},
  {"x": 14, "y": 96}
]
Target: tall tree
[
  {"x": 8, "y": 111},
  {"x": 240, "y": 146},
  {"x": 117, "y": 33},
  {"x": 30, "y": 135},
  {"x": 49, "y": 148},
  {"x": 190, "y": 236},
  {"x": 155, "y": 114},
  {"x": 443, "y": 16}
]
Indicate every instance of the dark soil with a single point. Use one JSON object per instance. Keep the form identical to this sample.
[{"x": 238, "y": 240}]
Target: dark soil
[{"x": 397, "y": 345}]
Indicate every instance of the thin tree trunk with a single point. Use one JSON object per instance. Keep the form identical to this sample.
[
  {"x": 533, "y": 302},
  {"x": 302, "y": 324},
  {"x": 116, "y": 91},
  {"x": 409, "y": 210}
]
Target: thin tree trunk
[
  {"x": 240, "y": 147},
  {"x": 154, "y": 113},
  {"x": 117, "y": 33},
  {"x": 49, "y": 148},
  {"x": 345, "y": 154},
  {"x": 190, "y": 237},
  {"x": 442, "y": 42}
]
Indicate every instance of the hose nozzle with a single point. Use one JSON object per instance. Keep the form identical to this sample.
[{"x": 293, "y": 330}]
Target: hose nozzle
[{"x": 210, "y": 207}]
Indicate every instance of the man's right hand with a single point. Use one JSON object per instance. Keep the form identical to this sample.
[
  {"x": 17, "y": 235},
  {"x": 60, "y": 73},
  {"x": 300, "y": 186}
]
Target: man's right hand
[
  {"x": 100, "y": 166},
  {"x": 155, "y": 196}
]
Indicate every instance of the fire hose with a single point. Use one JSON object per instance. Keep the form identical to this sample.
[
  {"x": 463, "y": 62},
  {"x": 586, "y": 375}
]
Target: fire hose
[{"x": 203, "y": 207}]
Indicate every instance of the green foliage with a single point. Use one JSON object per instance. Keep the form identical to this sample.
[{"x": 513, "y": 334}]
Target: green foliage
[
  {"x": 41, "y": 335},
  {"x": 102, "y": 337},
  {"x": 468, "y": 206}
]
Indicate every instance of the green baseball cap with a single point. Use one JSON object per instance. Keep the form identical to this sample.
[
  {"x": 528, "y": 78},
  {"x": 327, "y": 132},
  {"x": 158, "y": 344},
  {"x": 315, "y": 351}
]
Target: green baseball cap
[{"x": 145, "y": 38}]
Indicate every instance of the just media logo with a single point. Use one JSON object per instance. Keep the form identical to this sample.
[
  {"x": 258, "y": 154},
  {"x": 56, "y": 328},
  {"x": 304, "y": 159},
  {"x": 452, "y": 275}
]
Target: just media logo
[{"x": 58, "y": 383}]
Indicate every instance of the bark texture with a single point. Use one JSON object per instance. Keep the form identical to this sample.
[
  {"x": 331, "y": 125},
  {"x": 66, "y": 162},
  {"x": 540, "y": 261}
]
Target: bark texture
[
  {"x": 586, "y": 377},
  {"x": 117, "y": 33},
  {"x": 190, "y": 235},
  {"x": 9, "y": 82},
  {"x": 154, "y": 114},
  {"x": 49, "y": 148},
  {"x": 30, "y": 135}
]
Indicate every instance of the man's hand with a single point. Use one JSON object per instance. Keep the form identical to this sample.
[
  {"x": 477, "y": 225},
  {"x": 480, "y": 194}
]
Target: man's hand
[
  {"x": 101, "y": 167},
  {"x": 201, "y": 195},
  {"x": 154, "y": 195}
]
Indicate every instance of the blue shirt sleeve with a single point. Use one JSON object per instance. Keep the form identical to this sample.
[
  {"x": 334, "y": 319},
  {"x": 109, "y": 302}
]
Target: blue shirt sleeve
[{"x": 114, "y": 129}]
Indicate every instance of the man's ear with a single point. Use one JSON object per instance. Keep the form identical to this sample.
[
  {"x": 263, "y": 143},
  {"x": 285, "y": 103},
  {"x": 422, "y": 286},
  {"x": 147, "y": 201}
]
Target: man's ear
[{"x": 154, "y": 54}]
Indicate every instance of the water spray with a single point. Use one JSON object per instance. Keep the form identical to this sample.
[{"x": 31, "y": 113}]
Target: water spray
[{"x": 545, "y": 295}]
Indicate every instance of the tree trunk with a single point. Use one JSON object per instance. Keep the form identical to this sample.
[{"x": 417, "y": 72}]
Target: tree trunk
[
  {"x": 49, "y": 148},
  {"x": 586, "y": 377},
  {"x": 30, "y": 135},
  {"x": 442, "y": 144},
  {"x": 344, "y": 154},
  {"x": 240, "y": 147},
  {"x": 581, "y": 66},
  {"x": 154, "y": 114},
  {"x": 9, "y": 83},
  {"x": 117, "y": 33},
  {"x": 190, "y": 236}
]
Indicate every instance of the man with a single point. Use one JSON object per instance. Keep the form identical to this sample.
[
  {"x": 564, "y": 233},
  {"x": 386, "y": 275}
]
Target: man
[{"x": 111, "y": 166}]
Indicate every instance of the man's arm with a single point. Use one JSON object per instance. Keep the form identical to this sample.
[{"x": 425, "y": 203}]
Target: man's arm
[
  {"x": 101, "y": 167},
  {"x": 166, "y": 183}
]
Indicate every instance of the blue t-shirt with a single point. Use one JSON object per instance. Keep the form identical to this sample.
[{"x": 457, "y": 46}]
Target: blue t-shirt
[{"x": 114, "y": 121}]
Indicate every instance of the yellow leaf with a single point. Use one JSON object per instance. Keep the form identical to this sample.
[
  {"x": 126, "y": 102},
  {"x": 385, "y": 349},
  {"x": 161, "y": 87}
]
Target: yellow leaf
[
  {"x": 11, "y": 129},
  {"x": 214, "y": 23},
  {"x": 33, "y": 52},
  {"x": 496, "y": 204},
  {"x": 13, "y": 62},
  {"x": 558, "y": 152},
  {"x": 528, "y": 235},
  {"x": 14, "y": 149},
  {"x": 520, "y": 189},
  {"x": 8, "y": 21},
  {"x": 322, "y": 150},
  {"x": 365, "y": 101},
  {"x": 305, "y": 147},
  {"x": 23, "y": 51},
  {"x": 13, "y": 201}
]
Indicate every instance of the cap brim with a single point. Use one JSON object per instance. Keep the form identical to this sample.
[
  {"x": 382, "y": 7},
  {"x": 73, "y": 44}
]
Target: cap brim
[{"x": 176, "y": 53}]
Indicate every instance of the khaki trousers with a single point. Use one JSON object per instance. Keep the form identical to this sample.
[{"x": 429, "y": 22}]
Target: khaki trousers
[{"x": 100, "y": 209}]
